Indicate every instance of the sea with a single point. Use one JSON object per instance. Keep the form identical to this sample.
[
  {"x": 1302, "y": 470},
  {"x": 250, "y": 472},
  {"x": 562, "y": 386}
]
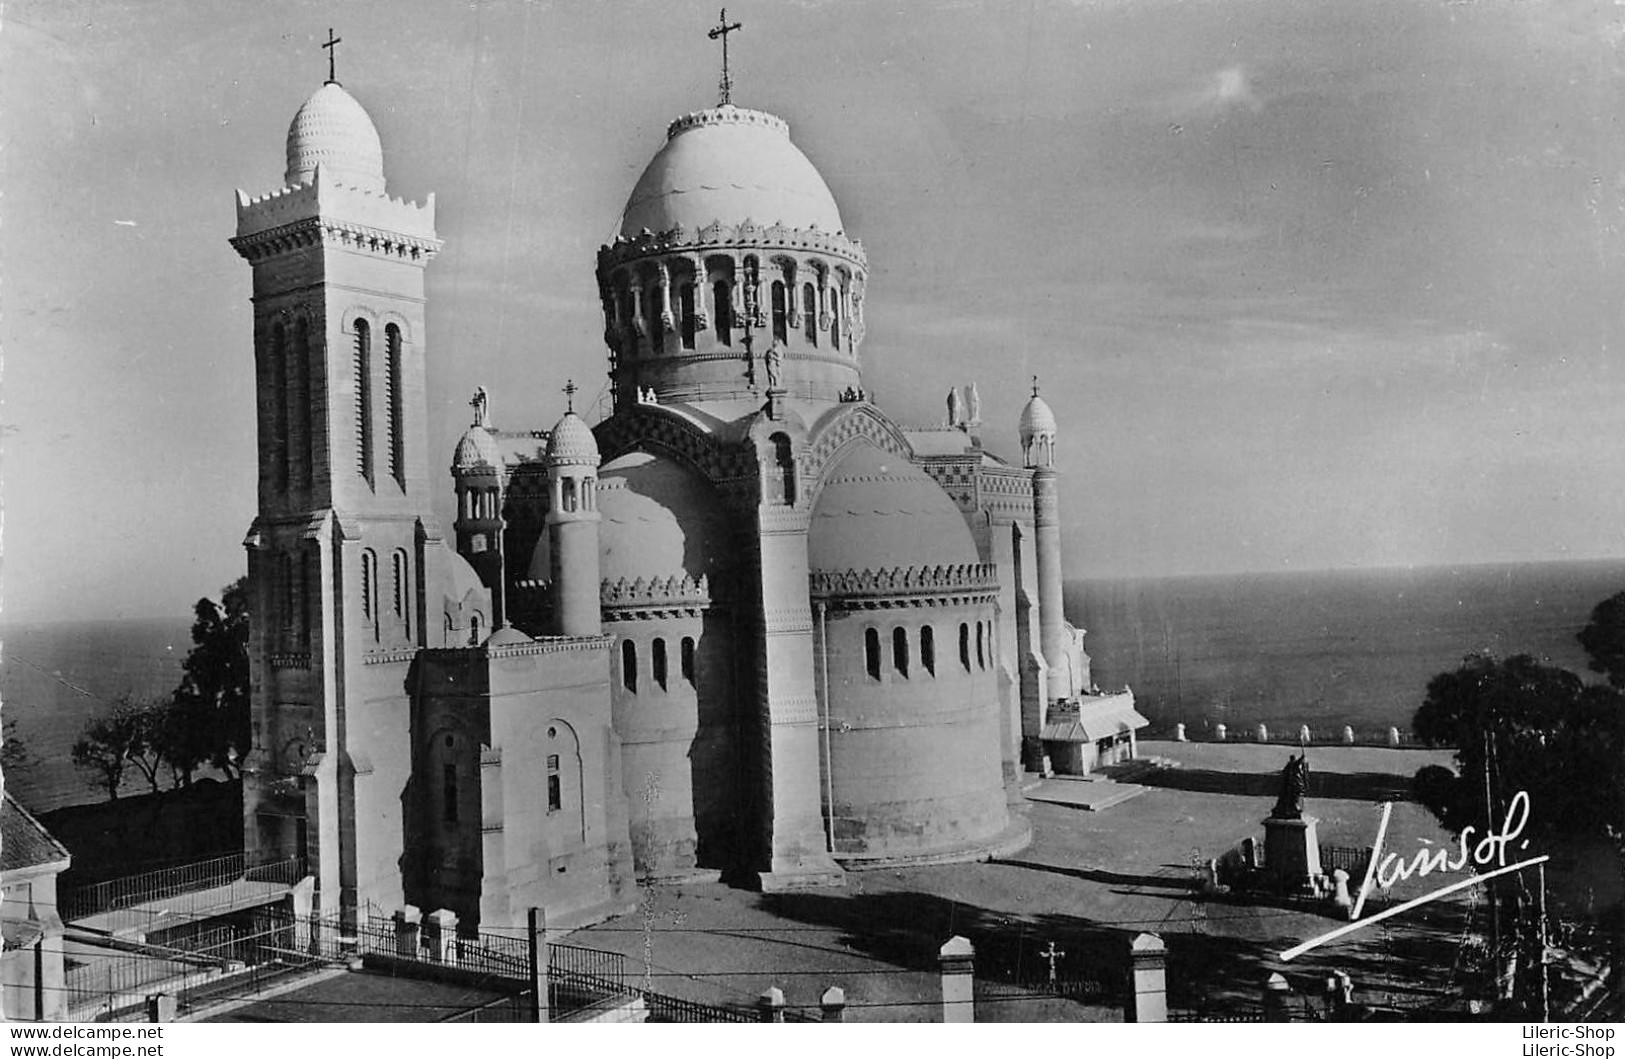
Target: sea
[{"x": 1323, "y": 650}]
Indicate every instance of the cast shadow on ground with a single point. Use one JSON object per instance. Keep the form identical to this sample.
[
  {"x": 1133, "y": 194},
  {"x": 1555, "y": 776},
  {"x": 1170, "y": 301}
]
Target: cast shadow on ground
[{"x": 1355, "y": 786}]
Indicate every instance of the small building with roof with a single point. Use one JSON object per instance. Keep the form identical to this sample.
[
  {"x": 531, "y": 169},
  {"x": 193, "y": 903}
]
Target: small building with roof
[{"x": 31, "y": 968}]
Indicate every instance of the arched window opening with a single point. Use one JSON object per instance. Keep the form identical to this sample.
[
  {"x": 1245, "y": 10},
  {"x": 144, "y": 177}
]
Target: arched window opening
[
  {"x": 657, "y": 662},
  {"x": 392, "y": 383},
  {"x": 369, "y": 589},
  {"x": 809, "y": 313},
  {"x": 964, "y": 646},
  {"x": 652, "y": 321},
  {"x": 928, "y": 650},
  {"x": 403, "y": 593},
  {"x": 685, "y": 308},
  {"x": 301, "y": 451},
  {"x": 629, "y": 666},
  {"x": 720, "y": 312},
  {"x": 871, "y": 652},
  {"x": 569, "y": 487},
  {"x": 474, "y": 623},
  {"x": 981, "y": 656},
  {"x": 899, "y": 650},
  {"x": 280, "y": 445},
  {"x": 285, "y": 591},
  {"x": 448, "y": 792},
  {"x": 363, "y": 398},
  {"x": 555, "y": 786},
  {"x": 781, "y": 309},
  {"x": 307, "y": 595},
  {"x": 785, "y": 461},
  {"x": 687, "y": 659},
  {"x": 629, "y": 319}
]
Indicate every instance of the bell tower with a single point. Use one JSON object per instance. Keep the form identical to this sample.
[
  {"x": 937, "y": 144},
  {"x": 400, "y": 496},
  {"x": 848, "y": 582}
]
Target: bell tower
[{"x": 344, "y": 546}]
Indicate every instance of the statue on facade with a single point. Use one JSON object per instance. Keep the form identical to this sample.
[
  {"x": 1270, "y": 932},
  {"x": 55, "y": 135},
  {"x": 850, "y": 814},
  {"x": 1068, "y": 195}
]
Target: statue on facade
[
  {"x": 481, "y": 403},
  {"x": 772, "y": 363},
  {"x": 973, "y": 406},
  {"x": 1294, "y": 785},
  {"x": 955, "y": 415}
]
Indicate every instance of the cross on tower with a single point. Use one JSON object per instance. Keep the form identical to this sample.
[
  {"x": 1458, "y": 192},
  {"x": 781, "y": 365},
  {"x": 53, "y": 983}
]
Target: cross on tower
[
  {"x": 722, "y": 29},
  {"x": 570, "y": 395},
  {"x": 332, "y": 46}
]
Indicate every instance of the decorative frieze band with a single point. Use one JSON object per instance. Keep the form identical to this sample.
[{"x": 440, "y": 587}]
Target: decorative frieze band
[
  {"x": 669, "y": 597},
  {"x": 312, "y": 231},
  {"x": 964, "y": 584},
  {"x": 719, "y": 236}
]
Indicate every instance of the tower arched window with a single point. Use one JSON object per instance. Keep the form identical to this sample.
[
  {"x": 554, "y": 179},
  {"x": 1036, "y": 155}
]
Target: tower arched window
[
  {"x": 475, "y": 623},
  {"x": 809, "y": 313},
  {"x": 304, "y": 449},
  {"x": 657, "y": 662},
  {"x": 781, "y": 310},
  {"x": 307, "y": 596},
  {"x": 369, "y": 589},
  {"x": 981, "y": 655},
  {"x": 568, "y": 487},
  {"x": 685, "y": 309},
  {"x": 403, "y": 592},
  {"x": 394, "y": 401},
  {"x": 964, "y": 646},
  {"x": 721, "y": 312},
  {"x": 928, "y": 650},
  {"x": 285, "y": 591},
  {"x": 448, "y": 791},
  {"x": 871, "y": 652},
  {"x": 280, "y": 447},
  {"x": 652, "y": 310},
  {"x": 363, "y": 398},
  {"x": 899, "y": 650},
  {"x": 687, "y": 659},
  {"x": 629, "y": 665}
]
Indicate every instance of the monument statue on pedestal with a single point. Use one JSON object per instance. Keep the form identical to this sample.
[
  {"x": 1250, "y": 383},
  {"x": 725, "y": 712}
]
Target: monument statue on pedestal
[{"x": 1294, "y": 785}]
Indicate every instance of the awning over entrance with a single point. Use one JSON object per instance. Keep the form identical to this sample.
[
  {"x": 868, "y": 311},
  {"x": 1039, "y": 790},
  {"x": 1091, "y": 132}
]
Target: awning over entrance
[{"x": 1092, "y": 719}]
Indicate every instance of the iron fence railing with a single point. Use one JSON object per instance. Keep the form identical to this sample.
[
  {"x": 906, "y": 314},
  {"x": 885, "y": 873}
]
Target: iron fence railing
[{"x": 183, "y": 879}]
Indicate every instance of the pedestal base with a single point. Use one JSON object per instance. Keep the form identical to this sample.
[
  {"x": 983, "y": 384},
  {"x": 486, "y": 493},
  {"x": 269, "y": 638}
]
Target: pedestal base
[
  {"x": 810, "y": 873},
  {"x": 1292, "y": 852}
]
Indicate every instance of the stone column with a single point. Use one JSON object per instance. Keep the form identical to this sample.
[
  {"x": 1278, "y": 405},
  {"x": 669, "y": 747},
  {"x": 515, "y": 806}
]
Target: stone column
[
  {"x": 799, "y": 856},
  {"x": 702, "y": 291},
  {"x": 957, "y": 960},
  {"x": 408, "y": 921},
  {"x": 833, "y": 1004},
  {"x": 1148, "y": 962},
  {"x": 1051, "y": 618},
  {"x": 441, "y": 931},
  {"x": 667, "y": 320}
]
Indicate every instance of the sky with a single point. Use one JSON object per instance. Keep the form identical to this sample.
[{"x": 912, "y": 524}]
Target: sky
[{"x": 1311, "y": 285}]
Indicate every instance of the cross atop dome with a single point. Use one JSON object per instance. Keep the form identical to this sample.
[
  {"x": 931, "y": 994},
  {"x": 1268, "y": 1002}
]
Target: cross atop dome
[
  {"x": 332, "y": 45},
  {"x": 721, "y": 30}
]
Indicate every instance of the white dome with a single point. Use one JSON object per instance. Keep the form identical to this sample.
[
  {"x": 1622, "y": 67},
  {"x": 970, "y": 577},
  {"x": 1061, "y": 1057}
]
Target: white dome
[
  {"x": 477, "y": 450},
  {"x": 1036, "y": 418},
  {"x": 571, "y": 442},
  {"x": 878, "y": 511},
  {"x": 332, "y": 130},
  {"x": 731, "y": 165}
]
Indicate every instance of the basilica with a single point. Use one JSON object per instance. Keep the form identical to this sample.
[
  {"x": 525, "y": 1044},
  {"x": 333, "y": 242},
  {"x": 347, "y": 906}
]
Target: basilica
[{"x": 743, "y": 627}]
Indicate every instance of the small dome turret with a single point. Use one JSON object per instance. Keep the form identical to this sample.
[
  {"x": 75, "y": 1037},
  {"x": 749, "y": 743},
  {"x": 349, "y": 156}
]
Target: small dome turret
[
  {"x": 477, "y": 450},
  {"x": 1037, "y": 429},
  {"x": 333, "y": 131},
  {"x": 572, "y": 443}
]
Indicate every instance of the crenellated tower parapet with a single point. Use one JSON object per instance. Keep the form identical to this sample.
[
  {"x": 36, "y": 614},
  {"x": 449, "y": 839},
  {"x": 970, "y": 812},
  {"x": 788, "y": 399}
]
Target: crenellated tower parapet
[
  {"x": 967, "y": 584},
  {"x": 640, "y": 599}
]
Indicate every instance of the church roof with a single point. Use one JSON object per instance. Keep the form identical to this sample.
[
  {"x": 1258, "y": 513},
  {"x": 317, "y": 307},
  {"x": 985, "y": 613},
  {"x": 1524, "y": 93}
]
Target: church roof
[
  {"x": 878, "y": 511},
  {"x": 729, "y": 164},
  {"x": 571, "y": 442},
  {"x": 658, "y": 518},
  {"x": 333, "y": 131}
]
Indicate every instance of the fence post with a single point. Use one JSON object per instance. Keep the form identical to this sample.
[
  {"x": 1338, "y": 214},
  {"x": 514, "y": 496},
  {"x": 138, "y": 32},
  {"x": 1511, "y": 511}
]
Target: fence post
[
  {"x": 442, "y": 935},
  {"x": 161, "y": 1007},
  {"x": 539, "y": 1006},
  {"x": 1275, "y": 994},
  {"x": 302, "y": 903},
  {"x": 1348, "y": 735},
  {"x": 770, "y": 1005},
  {"x": 957, "y": 961},
  {"x": 1179, "y": 733},
  {"x": 1148, "y": 970},
  {"x": 1263, "y": 733},
  {"x": 833, "y": 1003},
  {"x": 1393, "y": 737},
  {"x": 408, "y": 922},
  {"x": 1220, "y": 731}
]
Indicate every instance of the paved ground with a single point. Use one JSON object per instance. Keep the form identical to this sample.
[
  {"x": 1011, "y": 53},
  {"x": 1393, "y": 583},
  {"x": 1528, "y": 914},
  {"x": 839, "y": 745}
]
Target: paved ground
[{"x": 1089, "y": 882}]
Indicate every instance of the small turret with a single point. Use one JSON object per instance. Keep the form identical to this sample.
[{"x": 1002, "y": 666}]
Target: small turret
[
  {"x": 1037, "y": 430},
  {"x": 572, "y": 526},
  {"x": 477, "y": 468}
]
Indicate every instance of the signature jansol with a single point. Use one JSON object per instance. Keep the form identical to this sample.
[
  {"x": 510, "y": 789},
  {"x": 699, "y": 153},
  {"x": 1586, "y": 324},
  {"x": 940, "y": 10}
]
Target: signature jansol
[{"x": 1489, "y": 852}]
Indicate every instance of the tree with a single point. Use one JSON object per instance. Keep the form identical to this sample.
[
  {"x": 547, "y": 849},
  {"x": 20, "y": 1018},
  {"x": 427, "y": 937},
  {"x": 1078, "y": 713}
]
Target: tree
[
  {"x": 1518, "y": 725},
  {"x": 127, "y": 734},
  {"x": 13, "y": 751},
  {"x": 1604, "y": 639},
  {"x": 209, "y": 721}
]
